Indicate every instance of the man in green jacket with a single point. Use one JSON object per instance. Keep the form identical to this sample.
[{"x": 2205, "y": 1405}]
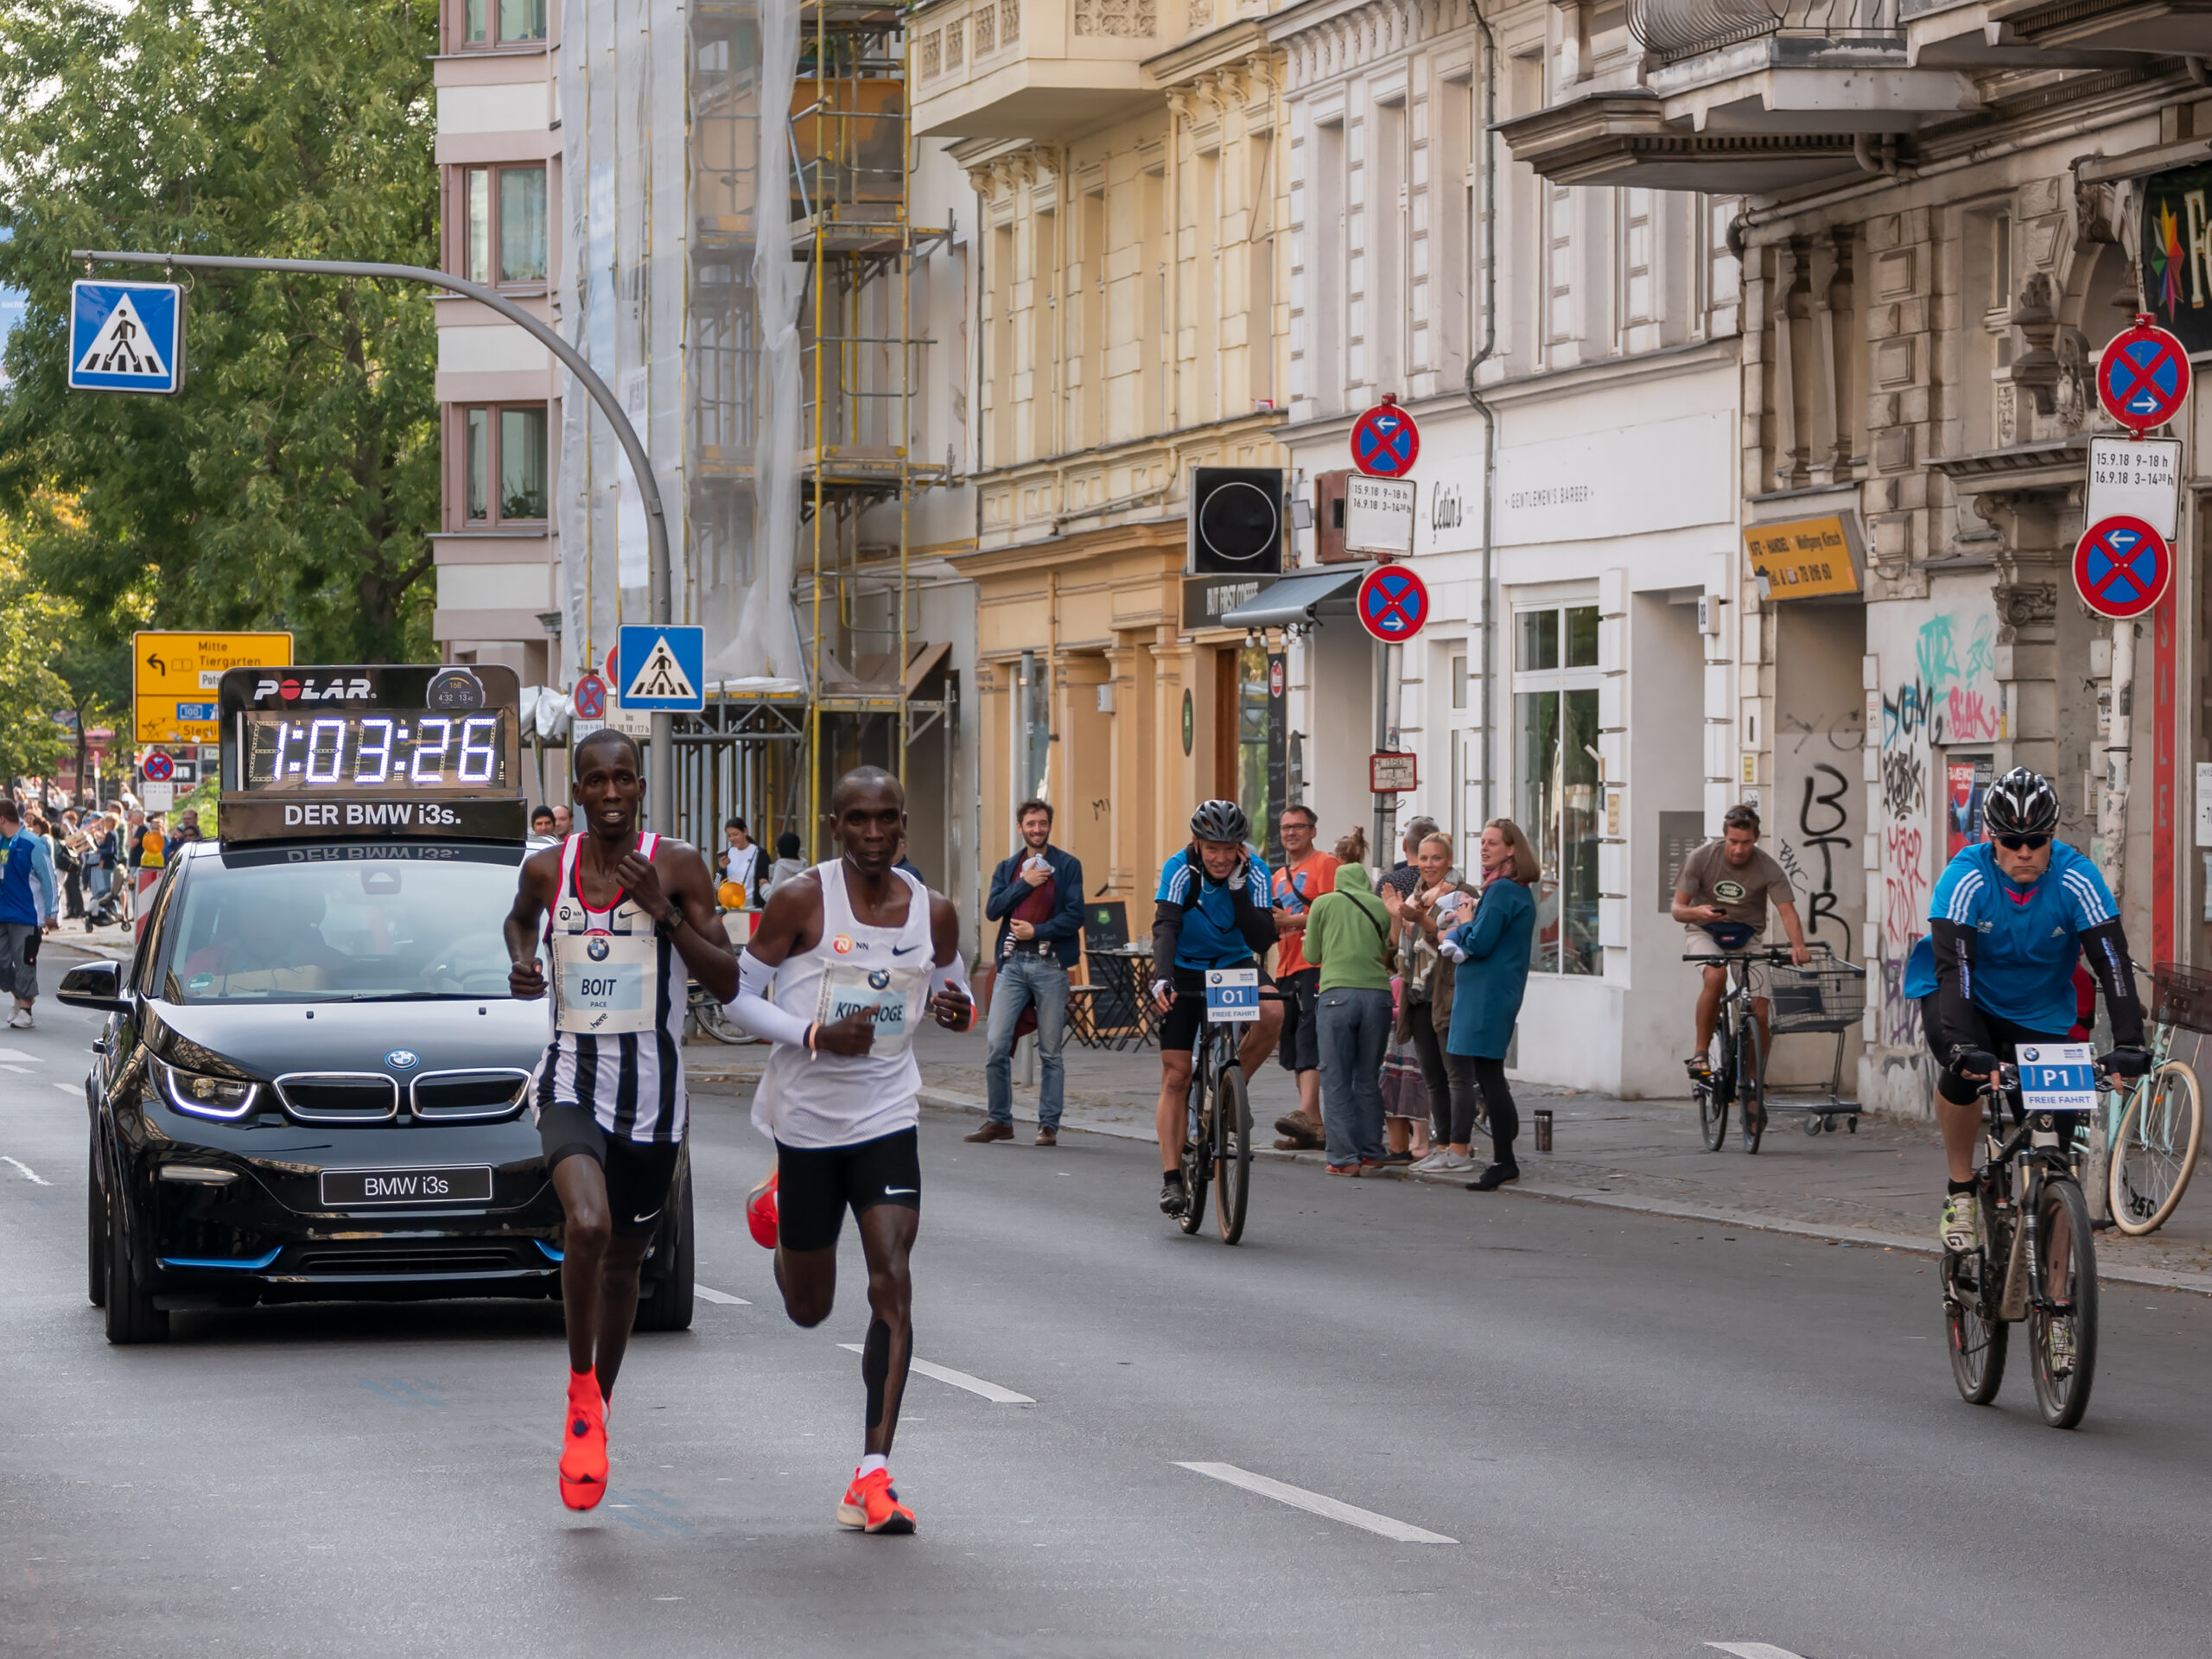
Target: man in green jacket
[{"x": 1348, "y": 938}]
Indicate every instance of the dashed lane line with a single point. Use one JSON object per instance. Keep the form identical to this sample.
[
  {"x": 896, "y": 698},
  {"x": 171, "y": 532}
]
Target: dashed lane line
[
  {"x": 20, "y": 1071},
  {"x": 29, "y": 1174},
  {"x": 722, "y": 1296},
  {"x": 1314, "y": 1503},
  {"x": 70, "y": 1087},
  {"x": 17, "y": 1054},
  {"x": 990, "y": 1391},
  {"x": 1752, "y": 1649}
]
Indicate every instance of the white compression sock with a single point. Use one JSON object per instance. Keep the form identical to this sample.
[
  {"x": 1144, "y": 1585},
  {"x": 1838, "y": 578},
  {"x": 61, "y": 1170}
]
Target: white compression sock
[{"x": 870, "y": 1464}]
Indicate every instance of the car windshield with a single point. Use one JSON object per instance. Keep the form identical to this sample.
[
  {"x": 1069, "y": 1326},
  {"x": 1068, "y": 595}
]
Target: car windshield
[{"x": 368, "y": 927}]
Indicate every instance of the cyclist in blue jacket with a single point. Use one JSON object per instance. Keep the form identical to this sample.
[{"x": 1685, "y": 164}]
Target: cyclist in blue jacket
[{"x": 2009, "y": 917}]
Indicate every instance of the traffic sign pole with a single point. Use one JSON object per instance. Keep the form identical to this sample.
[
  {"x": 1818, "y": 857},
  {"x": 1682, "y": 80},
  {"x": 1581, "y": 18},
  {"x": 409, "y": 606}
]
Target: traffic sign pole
[{"x": 660, "y": 780}]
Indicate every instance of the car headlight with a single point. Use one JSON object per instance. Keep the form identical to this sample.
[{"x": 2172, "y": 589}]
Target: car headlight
[{"x": 201, "y": 1096}]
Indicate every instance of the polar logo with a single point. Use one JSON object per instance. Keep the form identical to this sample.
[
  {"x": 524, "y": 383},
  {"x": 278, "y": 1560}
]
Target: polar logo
[{"x": 307, "y": 690}]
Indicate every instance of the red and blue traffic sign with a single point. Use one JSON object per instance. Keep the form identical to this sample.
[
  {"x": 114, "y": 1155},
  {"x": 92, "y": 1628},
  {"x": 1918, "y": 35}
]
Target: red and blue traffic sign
[
  {"x": 589, "y": 697},
  {"x": 1385, "y": 443},
  {"x": 1392, "y": 603},
  {"x": 159, "y": 768},
  {"x": 2143, "y": 375},
  {"x": 2122, "y": 567}
]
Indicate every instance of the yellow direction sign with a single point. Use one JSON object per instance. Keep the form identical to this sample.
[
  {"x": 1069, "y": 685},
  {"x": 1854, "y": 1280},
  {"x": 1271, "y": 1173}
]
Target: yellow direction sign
[{"x": 175, "y": 676}]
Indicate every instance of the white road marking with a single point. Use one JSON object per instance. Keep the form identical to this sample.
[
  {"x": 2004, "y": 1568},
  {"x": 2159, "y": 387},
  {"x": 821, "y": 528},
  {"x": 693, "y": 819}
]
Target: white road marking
[
  {"x": 1752, "y": 1649},
  {"x": 1313, "y": 1504},
  {"x": 20, "y": 1071},
  {"x": 70, "y": 1087},
  {"x": 721, "y": 1296},
  {"x": 990, "y": 1391},
  {"x": 17, "y": 1054},
  {"x": 29, "y": 1174}
]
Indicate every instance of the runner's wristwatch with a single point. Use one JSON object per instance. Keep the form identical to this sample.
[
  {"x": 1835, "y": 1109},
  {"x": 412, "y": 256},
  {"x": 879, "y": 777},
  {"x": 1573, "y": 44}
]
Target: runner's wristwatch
[{"x": 669, "y": 923}]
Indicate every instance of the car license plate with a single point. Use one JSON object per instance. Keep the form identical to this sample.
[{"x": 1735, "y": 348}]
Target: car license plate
[{"x": 347, "y": 1189}]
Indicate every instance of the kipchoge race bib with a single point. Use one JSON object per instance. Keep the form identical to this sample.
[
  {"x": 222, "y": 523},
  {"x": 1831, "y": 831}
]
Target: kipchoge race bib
[
  {"x": 892, "y": 997},
  {"x": 605, "y": 983}
]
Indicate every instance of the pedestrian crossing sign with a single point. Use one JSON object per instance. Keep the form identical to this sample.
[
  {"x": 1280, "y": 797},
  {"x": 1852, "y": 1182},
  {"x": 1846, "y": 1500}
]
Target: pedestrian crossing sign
[
  {"x": 126, "y": 337},
  {"x": 663, "y": 669}
]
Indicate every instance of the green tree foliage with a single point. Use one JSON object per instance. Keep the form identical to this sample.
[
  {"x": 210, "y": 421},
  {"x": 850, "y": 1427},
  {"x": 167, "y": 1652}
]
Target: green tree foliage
[
  {"x": 32, "y": 620},
  {"x": 293, "y": 483}
]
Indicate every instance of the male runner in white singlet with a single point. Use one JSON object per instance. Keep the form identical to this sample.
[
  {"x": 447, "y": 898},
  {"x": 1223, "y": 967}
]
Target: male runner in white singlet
[
  {"x": 845, "y": 961},
  {"x": 625, "y": 915}
]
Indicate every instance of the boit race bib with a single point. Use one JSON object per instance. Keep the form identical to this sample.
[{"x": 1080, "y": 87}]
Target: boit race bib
[
  {"x": 892, "y": 997},
  {"x": 605, "y": 983}
]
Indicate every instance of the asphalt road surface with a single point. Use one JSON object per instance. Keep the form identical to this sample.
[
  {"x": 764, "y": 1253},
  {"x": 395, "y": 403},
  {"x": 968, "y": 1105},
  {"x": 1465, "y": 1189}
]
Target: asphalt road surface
[{"x": 1507, "y": 1426}]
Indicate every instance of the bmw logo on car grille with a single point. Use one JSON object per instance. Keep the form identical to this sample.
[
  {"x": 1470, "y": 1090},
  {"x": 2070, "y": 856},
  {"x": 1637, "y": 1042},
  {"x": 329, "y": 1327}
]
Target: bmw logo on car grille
[{"x": 401, "y": 1059}]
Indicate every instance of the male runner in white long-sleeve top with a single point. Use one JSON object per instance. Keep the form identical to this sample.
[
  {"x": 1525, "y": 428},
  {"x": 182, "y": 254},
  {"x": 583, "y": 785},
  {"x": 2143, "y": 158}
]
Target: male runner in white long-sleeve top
[{"x": 839, "y": 972}]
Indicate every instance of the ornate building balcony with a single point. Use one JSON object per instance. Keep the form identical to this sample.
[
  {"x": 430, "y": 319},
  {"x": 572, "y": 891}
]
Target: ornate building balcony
[{"x": 1037, "y": 69}]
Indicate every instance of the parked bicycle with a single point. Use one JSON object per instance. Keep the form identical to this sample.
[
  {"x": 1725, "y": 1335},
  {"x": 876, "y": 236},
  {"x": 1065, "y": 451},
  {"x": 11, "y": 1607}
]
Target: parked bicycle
[
  {"x": 706, "y": 1016},
  {"x": 1217, "y": 1138},
  {"x": 2037, "y": 1261},
  {"x": 2160, "y": 1128},
  {"x": 1736, "y": 1057}
]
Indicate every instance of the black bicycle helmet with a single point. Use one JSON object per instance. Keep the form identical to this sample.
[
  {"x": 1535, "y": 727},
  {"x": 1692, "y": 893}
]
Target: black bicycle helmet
[
  {"x": 1221, "y": 821},
  {"x": 2021, "y": 802}
]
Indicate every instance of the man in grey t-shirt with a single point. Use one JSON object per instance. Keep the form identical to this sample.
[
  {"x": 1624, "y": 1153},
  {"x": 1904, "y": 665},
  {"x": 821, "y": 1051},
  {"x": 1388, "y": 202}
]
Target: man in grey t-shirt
[{"x": 1722, "y": 896}]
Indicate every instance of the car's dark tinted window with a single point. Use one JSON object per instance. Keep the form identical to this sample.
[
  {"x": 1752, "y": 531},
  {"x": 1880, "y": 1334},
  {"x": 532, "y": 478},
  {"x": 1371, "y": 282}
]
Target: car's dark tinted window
[{"x": 325, "y": 931}]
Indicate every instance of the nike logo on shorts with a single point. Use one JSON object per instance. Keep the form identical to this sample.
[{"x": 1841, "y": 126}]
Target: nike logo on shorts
[
  {"x": 902, "y": 1193},
  {"x": 639, "y": 1221}
]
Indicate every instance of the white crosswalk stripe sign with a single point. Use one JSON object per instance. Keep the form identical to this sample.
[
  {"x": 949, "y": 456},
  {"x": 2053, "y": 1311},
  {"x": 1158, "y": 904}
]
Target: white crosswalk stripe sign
[
  {"x": 124, "y": 346},
  {"x": 660, "y": 676}
]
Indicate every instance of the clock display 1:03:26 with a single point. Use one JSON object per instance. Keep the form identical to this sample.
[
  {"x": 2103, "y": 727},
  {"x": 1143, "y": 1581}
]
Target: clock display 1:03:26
[{"x": 370, "y": 750}]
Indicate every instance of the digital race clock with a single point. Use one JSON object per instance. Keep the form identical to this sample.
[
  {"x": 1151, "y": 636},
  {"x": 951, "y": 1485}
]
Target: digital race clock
[{"x": 398, "y": 749}]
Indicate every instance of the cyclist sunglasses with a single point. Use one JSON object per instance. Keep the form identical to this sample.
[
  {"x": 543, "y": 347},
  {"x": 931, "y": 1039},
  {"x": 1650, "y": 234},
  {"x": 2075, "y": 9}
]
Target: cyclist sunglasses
[{"x": 2023, "y": 844}]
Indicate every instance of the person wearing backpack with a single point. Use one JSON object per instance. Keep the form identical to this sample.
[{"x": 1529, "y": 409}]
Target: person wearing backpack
[{"x": 1348, "y": 938}]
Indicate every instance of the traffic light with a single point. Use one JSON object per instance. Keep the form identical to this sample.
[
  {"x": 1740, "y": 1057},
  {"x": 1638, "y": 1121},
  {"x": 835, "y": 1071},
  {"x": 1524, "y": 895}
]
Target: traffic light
[{"x": 1236, "y": 524}]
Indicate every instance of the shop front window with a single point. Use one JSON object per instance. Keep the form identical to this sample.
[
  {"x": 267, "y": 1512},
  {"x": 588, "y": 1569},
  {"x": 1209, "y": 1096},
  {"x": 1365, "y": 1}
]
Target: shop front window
[
  {"x": 1556, "y": 794},
  {"x": 1252, "y": 780}
]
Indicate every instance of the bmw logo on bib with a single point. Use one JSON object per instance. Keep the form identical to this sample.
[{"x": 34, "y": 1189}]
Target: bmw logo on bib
[
  {"x": 402, "y": 1060},
  {"x": 878, "y": 979},
  {"x": 595, "y": 948}
]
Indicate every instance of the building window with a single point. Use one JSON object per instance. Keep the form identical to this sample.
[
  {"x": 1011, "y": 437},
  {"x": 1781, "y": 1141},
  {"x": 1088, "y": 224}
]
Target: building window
[
  {"x": 1558, "y": 263},
  {"x": 506, "y": 480},
  {"x": 1555, "y": 732},
  {"x": 1635, "y": 256},
  {"x": 519, "y": 23},
  {"x": 503, "y": 223}
]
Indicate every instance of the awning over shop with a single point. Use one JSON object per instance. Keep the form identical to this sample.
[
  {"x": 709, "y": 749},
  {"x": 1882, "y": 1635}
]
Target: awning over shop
[{"x": 1293, "y": 601}]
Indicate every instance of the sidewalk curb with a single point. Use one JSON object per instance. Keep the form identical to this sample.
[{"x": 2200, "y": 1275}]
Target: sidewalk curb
[{"x": 2200, "y": 1284}]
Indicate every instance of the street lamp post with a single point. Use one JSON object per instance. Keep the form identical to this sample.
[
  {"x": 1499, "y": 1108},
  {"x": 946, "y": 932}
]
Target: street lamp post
[{"x": 660, "y": 798}]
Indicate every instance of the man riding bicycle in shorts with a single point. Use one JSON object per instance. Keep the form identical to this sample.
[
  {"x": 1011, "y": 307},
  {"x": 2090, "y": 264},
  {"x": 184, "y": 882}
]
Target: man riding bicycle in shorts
[
  {"x": 2009, "y": 917},
  {"x": 1722, "y": 896},
  {"x": 1213, "y": 911}
]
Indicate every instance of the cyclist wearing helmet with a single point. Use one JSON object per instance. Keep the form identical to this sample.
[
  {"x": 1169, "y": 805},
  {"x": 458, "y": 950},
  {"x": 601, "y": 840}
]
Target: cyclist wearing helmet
[
  {"x": 2009, "y": 917},
  {"x": 1213, "y": 912}
]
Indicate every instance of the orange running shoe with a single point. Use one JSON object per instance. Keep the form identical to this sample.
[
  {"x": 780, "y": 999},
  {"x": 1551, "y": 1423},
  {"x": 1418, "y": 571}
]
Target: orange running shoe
[
  {"x": 583, "y": 1445},
  {"x": 760, "y": 1213},
  {"x": 872, "y": 1505}
]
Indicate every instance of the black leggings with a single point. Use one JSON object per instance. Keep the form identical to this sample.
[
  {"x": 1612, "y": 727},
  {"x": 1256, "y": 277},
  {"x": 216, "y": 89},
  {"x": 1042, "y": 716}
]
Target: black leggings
[
  {"x": 1504, "y": 1115},
  {"x": 1454, "y": 1096},
  {"x": 1990, "y": 1033}
]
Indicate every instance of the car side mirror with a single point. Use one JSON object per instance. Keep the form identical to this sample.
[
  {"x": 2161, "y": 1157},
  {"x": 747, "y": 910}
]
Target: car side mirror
[{"x": 95, "y": 985}]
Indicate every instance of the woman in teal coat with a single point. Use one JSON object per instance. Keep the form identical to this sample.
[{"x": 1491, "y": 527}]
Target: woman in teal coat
[{"x": 1490, "y": 946}]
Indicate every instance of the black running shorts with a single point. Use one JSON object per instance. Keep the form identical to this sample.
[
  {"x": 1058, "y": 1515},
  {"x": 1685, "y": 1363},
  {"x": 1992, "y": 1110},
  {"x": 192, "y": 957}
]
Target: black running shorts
[
  {"x": 815, "y": 1185},
  {"x": 637, "y": 1172}
]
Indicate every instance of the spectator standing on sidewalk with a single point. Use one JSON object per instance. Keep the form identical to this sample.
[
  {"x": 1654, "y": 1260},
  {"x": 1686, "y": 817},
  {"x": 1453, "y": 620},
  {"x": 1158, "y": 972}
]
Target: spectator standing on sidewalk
[
  {"x": 1305, "y": 875},
  {"x": 788, "y": 863},
  {"x": 741, "y": 867},
  {"x": 1425, "y": 1010},
  {"x": 1348, "y": 938},
  {"x": 1037, "y": 899},
  {"x": 69, "y": 864},
  {"x": 1489, "y": 944},
  {"x": 564, "y": 820},
  {"x": 29, "y": 902}
]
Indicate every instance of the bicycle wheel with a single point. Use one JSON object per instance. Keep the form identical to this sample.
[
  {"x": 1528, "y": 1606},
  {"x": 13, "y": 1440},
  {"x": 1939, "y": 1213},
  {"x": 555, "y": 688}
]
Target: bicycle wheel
[
  {"x": 2062, "y": 1309},
  {"x": 1751, "y": 1082},
  {"x": 707, "y": 1015},
  {"x": 2155, "y": 1152},
  {"x": 1970, "y": 1298},
  {"x": 1712, "y": 1095},
  {"x": 1232, "y": 1115},
  {"x": 1197, "y": 1148}
]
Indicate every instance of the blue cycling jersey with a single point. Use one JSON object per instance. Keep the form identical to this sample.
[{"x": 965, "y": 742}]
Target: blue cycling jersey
[
  {"x": 2026, "y": 939},
  {"x": 1210, "y": 937}
]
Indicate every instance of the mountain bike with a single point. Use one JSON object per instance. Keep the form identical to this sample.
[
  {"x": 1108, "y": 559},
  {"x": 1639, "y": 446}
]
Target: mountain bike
[
  {"x": 2036, "y": 1262},
  {"x": 2161, "y": 1118},
  {"x": 1735, "y": 1059},
  {"x": 1217, "y": 1135}
]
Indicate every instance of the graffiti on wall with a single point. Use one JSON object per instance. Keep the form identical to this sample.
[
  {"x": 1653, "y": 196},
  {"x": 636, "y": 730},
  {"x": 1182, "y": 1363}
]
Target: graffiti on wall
[
  {"x": 1948, "y": 696},
  {"x": 1809, "y": 855}
]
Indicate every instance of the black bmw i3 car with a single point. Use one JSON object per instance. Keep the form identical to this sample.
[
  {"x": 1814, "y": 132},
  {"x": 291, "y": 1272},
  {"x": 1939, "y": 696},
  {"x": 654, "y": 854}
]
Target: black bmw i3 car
[{"x": 313, "y": 1083}]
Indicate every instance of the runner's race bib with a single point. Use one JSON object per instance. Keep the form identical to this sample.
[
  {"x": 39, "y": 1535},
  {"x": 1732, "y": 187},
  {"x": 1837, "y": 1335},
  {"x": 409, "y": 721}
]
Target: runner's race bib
[
  {"x": 2058, "y": 1077},
  {"x": 1232, "y": 996},
  {"x": 892, "y": 997},
  {"x": 605, "y": 983}
]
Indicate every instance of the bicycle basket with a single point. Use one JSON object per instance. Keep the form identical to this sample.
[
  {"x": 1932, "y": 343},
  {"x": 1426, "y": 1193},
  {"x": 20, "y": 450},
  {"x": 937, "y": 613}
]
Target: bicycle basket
[
  {"x": 2184, "y": 997},
  {"x": 1826, "y": 994}
]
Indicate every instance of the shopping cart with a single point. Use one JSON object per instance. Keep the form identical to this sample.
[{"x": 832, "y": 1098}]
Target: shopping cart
[{"x": 1826, "y": 994}]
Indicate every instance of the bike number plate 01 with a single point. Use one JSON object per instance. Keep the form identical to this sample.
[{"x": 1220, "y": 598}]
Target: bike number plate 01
[
  {"x": 1232, "y": 996},
  {"x": 2058, "y": 1077}
]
